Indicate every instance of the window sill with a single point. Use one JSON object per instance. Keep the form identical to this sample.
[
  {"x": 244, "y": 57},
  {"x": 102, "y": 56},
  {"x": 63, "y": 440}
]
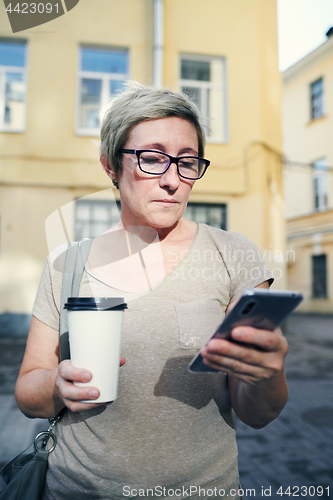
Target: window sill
[
  {"x": 12, "y": 131},
  {"x": 87, "y": 132},
  {"x": 320, "y": 210},
  {"x": 317, "y": 120},
  {"x": 216, "y": 141}
]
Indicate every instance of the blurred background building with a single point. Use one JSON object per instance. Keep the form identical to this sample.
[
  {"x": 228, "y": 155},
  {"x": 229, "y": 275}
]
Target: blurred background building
[
  {"x": 57, "y": 79},
  {"x": 307, "y": 123}
]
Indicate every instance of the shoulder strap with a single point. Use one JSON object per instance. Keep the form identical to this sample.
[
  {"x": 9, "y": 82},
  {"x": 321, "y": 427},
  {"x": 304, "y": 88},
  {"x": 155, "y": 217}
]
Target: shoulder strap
[{"x": 76, "y": 256}]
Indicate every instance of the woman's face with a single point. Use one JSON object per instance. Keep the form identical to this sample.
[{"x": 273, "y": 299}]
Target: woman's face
[{"x": 158, "y": 201}]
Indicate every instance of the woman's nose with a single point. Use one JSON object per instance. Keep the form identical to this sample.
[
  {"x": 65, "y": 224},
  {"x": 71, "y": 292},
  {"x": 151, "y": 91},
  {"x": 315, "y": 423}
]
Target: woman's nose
[{"x": 170, "y": 178}]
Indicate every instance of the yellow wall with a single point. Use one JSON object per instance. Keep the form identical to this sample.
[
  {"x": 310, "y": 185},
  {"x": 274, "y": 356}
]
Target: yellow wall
[
  {"x": 49, "y": 164},
  {"x": 306, "y": 140},
  {"x": 307, "y": 236},
  {"x": 309, "y": 231}
]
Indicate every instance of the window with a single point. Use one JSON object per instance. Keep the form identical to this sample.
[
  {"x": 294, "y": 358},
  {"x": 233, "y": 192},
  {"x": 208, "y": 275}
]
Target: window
[
  {"x": 212, "y": 214},
  {"x": 203, "y": 79},
  {"x": 319, "y": 276},
  {"x": 102, "y": 75},
  {"x": 93, "y": 217},
  {"x": 13, "y": 55},
  {"x": 317, "y": 99},
  {"x": 320, "y": 184}
]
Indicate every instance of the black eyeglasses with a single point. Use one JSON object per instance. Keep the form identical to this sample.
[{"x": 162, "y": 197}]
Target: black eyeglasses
[{"x": 156, "y": 163}]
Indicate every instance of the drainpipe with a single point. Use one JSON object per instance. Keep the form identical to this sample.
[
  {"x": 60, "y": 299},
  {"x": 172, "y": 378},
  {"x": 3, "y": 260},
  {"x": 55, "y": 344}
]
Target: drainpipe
[{"x": 158, "y": 42}]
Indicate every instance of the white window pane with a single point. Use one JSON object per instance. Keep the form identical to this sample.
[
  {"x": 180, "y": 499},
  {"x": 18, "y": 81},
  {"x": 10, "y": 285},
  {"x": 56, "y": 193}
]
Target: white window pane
[
  {"x": 320, "y": 184},
  {"x": 216, "y": 72},
  {"x": 99, "y": 228},
  {"x": 15, "y": 86},
  {"x": 94, "y": 217},
  {"x": 115, "y": 214},
  {"x": 15, "y": 90},
  {"x": 203, "y": 80},
  {"x": 12, "y": 86},
  {"x": 101, "y": 212},
  {"x": 194, "y": 94},
  {"x": 81, "y": 229},
  {"x": 215, "y": 113},
  {"x": 90, "y": 102},
  {"x": 320, "y": 165},
  {"x": 82, "y": 211},
  {"x": 102, "y": 76}
]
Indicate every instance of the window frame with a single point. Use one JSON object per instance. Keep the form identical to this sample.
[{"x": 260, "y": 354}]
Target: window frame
[
  {"x": 96, "y": 75},
  {"x": 222, "y": 206},
  {"x": 91, "y": 204},
  {"x": 14, "y": 69},
  {"x": 320, "y": 175},
  {"x": 314, "y": 97},
  {"x": 223, "y": 87},
  {"x": 324, "y": 276}
]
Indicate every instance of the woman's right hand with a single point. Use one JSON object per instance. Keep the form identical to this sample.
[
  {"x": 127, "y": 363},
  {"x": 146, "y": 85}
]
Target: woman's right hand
[
  {"x": 44, "y": 386},
  {"x": 72, "y": 395}
]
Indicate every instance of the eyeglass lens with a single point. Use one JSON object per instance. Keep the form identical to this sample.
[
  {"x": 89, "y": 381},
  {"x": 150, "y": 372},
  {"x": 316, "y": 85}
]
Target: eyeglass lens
[{"x": 156, "y": 163}]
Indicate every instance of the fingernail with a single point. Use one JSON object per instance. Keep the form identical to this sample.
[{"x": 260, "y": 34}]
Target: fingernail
[
  {"x": 238, "y": 333},
  {"x": 93, "y": 394},
  {"x": 85, "y": 376}
]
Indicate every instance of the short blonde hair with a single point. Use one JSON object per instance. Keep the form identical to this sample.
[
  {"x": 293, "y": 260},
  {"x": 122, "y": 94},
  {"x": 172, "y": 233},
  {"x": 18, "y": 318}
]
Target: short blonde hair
[{"x": 140, "y": 103}]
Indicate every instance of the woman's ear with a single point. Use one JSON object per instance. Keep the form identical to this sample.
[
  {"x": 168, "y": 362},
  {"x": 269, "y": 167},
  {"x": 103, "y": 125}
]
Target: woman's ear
[{"x": 107, "y": 167}]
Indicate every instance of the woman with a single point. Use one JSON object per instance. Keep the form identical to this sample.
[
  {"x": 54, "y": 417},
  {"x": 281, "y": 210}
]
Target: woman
[{"x": 170, "y": 433}]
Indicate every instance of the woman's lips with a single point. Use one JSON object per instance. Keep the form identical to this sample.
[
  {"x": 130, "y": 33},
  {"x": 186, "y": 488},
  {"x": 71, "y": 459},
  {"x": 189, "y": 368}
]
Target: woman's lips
[{"x": 166, "y": 202}]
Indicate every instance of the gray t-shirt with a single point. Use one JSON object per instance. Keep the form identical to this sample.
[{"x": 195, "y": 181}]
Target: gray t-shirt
[{"x": 170, "y": 433}]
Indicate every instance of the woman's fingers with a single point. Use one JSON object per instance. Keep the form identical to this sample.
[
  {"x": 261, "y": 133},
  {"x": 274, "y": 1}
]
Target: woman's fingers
[
  {"x": 73, "y": 374},
  {"x": 266, "y": 340},
  {"x": 71, "y": 394},
  {"x": 257, "y": 354}
]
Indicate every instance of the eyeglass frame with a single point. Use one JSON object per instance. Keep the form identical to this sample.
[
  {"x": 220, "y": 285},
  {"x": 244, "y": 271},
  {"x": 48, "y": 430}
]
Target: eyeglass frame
[{"x": 172, "y": 159}]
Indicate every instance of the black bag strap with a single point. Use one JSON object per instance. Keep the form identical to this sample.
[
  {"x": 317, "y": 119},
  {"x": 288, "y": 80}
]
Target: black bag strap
[{"x": 76, "y": 256}]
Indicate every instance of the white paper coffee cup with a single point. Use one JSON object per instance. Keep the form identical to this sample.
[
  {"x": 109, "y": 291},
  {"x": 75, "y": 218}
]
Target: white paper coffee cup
[{"x": 95, "y": 329}]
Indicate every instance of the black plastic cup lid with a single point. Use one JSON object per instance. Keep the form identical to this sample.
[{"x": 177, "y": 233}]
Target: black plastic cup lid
[{"x": 95, "y": 304}]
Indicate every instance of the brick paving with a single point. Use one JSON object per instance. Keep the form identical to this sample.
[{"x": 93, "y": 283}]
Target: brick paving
[
  {"x": 295, "y": 451},
  {"x": 16, "y": 431}
]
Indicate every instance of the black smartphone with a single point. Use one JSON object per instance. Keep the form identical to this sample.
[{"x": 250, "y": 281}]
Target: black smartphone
[{"x": 258, "y": 307}]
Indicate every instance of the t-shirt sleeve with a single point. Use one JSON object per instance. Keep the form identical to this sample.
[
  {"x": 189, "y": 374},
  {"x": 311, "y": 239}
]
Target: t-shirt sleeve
[
  {"x": 246, "y": 267},
  {"x": 46, "y": 305}
]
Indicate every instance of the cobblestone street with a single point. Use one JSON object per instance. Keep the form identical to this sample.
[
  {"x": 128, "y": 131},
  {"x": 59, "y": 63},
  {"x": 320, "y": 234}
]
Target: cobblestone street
[{"x": 296, "y": 449}]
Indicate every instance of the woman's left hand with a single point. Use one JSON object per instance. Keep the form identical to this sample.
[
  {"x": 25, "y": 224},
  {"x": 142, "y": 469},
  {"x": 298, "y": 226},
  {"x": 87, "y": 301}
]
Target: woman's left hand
[{"x": 258, "y": 355}]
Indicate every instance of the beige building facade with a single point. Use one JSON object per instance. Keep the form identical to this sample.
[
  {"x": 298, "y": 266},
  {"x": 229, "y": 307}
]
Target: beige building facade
[
  {"x": 307, "y": 123},
  {"x": 57, "y": 79}
]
